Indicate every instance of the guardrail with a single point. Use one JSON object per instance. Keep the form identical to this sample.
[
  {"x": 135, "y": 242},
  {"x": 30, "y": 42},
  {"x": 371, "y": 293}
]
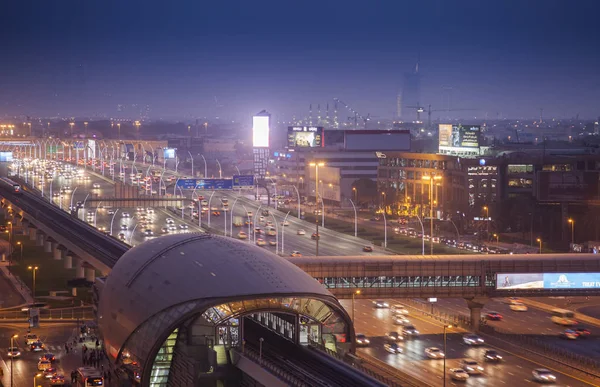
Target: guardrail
[
  {"x": 280, "y": 373},
  {"x": 75, "y": 313}
]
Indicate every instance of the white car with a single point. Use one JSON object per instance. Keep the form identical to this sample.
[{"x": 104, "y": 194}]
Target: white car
[
  {"x": 434, "y": 353},
  {"x": 126, "y": 214},
  {"x": 286, "y": 223},
  {"x": 401, "y": 320},
  {"x": 459, "y": 374},
  {"x": 362, "y": 340},
  {"x": 543, "y": 375},
  {"x": 96, "y": 185},
  {"x": 471, "y": 367},
  {"x": 399, "y": 309},
  {"x": 148, "y": 232},
  {"x": 169, "y": 221},
  {"x": 392, "y": 348},
  {"x": 379, "y": 304},
  {"x": 301, "y": 232},
  {"x": 518, "y": 307},
  {"x": 473, "y": 339}
]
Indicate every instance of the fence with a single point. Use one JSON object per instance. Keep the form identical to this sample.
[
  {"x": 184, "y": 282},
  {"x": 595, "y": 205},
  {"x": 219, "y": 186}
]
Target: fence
[{"x": 75, "y": 313}]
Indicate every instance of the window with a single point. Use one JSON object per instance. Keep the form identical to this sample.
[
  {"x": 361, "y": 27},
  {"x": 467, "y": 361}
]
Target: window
[
  {"x": 483, "y": 183},
  {"x": 520, "y": 168},
  {"x": 562, "y": 167},
  {"x": 410, "y": 175},
  {"x": 520, "y": 183}
]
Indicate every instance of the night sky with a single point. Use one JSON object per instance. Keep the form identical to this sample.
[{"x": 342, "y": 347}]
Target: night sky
[{"x": 84, "y": 57}]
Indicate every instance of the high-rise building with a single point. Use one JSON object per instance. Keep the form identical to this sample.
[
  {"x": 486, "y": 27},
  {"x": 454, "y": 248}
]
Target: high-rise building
[
  {"x": 399, "y": 106},
  {"x": 411, "y": 94}
]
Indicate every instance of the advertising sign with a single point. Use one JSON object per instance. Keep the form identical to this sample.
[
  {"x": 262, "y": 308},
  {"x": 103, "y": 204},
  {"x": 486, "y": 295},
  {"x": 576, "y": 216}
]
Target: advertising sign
[
  {"x": 243, "y": 181},
  {"x": 305, "y": 137},
  {"x": 208, "y": 184},
  {"x": 91, "y": 149},
  {"x": 169, "y": 153},
  {"x": 548, "y": 281},
  {"x": 260, "y": 131},
  {"x": 78, "y": 145},
  {"x": 459, "y": 138},
  {"x": 6, "y": 156}
]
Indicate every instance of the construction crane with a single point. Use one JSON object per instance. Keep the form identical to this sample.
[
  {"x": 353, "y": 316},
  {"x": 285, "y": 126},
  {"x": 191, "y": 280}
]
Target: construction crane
[
  {"x": 356, "y": 115},
  {"x": 420, "y": 109},
  {"x": 429, "y": 111}
]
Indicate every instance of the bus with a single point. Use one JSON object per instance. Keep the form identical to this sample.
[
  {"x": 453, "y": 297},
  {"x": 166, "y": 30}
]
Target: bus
[
  {"x": 563, "y": 317},
  {"x": 89, "y": 376}
]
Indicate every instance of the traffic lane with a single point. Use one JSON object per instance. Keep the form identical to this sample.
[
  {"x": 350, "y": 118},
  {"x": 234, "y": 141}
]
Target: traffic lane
[
  {"x": 375, "y": 323},
  {"x": 54, "y": 336},
  {"x": 535, "y": 323}
]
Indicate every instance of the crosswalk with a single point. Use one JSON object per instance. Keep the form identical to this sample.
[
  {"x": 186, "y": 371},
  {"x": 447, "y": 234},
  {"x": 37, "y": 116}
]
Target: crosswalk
[{"x": 47, "y": 348}]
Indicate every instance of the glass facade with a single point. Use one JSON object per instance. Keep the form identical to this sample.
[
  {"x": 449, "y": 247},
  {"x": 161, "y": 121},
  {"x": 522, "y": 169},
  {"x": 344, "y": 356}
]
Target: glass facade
[{"x": 159, "y": 375}]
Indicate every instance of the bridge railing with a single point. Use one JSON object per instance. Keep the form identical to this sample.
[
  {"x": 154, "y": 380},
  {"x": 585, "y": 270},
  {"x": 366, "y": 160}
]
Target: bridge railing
[
  {"x": 279, "y": 372},
  {"x": 74, "y": 313}
]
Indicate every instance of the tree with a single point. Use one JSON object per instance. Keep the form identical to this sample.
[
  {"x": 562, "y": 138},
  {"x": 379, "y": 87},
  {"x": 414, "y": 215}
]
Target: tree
[{"x": 366, "y": 190}]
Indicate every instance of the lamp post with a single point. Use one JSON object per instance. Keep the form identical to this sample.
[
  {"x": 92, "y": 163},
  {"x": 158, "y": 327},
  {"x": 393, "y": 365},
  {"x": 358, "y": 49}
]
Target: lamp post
[
  {"x": 96, "y": 212},
  {"x": 11, "y": 358},
  {"x": 317, "y": 165},
  {"x": 422, "y": 235},
  {"x": 205, "y": 166},
  {"x": 112, "y": 220},
  {"x": 539, "y": 240},
  {"x": 20, "y": 245},
  {"x": 35, "y": 377},
  {"x": 497, "y": 239},
  {"x": 283, "y": 231},
  {"x": 445, "y": 327},
  {"x": 355, "y": 218},
  {"x": 355, "y": 191},
  {"x": 487, "y": 220},
  {"x": 220, "y": 169},
  {"x": 356, "y": 292},
  {"x": 192, "y": 158},
  {"x": 431, "y": 179},
  {"x": 34, "y": 269},
  {"x": 572, "y": 223},
  {"x": 260, "y": 344}
]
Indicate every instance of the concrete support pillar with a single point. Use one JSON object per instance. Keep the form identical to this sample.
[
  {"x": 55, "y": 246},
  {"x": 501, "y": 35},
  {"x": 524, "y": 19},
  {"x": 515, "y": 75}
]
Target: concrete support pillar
[
  {"x": 68, "y": 259},
  {"x": 48, "y": 245},
  {"x": 5, "y": 212},
  {"x": 40, "y": 239},
  {"x": 78, "y": 265},
  {"x": 90, "y": 274},
  {"x": 475, "y": 305},
  {"x": 57, "y": 252},
  {"x": 32, "y": 233},
  {"x": 18, "y": 221}
]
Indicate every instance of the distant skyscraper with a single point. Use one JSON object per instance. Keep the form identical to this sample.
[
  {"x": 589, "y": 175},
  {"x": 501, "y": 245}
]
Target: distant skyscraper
[
  {"x": 411, "y": 94},
  {"x": 399, "y": 106}
]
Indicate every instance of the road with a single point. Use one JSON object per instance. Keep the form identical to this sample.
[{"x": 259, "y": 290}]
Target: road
[{"x": 375, "y": 323}]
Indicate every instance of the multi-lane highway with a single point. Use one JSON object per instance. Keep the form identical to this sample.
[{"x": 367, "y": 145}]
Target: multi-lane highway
[{"x": 515, "y": 369}]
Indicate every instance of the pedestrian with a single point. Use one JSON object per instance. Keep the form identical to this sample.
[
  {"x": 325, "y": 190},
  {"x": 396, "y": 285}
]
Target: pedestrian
[
  {"x": 97, "y": 343},
  {"x": 66, "y": 348}
]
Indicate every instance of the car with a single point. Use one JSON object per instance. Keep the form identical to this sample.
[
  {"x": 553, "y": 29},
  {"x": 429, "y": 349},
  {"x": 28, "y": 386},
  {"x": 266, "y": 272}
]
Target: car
[
  {"x": 48, "y": 356},
  {"x": 518, "y": 307},
  {"x": 394, "y": 336},
  {"x": 513, "y": 300},
  {"x": 250, "y": 214},
  {"x": 122, "y": 236},
  {"x": 295, "y": 253},
  {"x": 301, "y": 232},
  {"x": 272, "y": 243},
  {"x": 434, "y": 353},
  {"x": 399, "y": 309},
  {"x": 315, "y": 236},
  {"x": 30, "y": 338},
  {"x": 458, "y": 374},
  {"x": 44, "y": 364},
  {"x": 261, "y": 242},
  {"x": 362, "y": 340},
  {"x": 216, "y": 213},
  {"x": 148, "y": 232},
  {"x": 164, "y": 230},
  {"x": 169, "y": 221},
  {"x": 96, "y": 185},
  {"x": 37, "y": 346},
  {"x": 569, "y": 334},
  {"x": 125, "y": 215},
  {"x": 473, "y": 339},
  {"x": 183, "y": 227},
  {"x": 379, "y": 304},
  {"x": 491, "y": 356},
  {"x": 172, "y": 227},
  {"x": 261, "y": 218},
  {"x": 150, "y": 210},
  {"x": 285, "y": 223},
  {"x": 582, "y": 332},
  {"x": 49, "y": 372},
  {"x": 410, "y": 330},
  {"x": 392, "y": 348},
  {"x": 493, "y": 316},
  {"x": 242, "y": 235},
  {"x": 258, "y": 231},
  {"x": 57, "y": 380},
  {"x": 111, "y": 212},
  {"x": 400, "y": 320},
  {"x": 368, "y": 249},
  {"x": 471, "y": 366},
  {"x": 13, "y": 352},
  {"x": 543, "y": 375}
]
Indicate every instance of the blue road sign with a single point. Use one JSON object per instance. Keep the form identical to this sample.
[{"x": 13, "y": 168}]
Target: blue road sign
[
  {"x": 243, "y": 181},
  {"x": 186, "y": 183},
  {"x": 208, "y": 184}
]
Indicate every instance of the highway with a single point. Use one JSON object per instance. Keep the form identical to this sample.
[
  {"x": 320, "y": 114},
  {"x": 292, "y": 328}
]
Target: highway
[{"x": 515, "y": 370}]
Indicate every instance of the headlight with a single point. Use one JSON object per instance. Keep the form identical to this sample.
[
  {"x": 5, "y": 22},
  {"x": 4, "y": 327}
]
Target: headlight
[
  {"x": 367, "y": 341},
  {"x": 469, "y": 369},
  {"x": 499, "y": 357},
  {"x": 480, "y": 368}
]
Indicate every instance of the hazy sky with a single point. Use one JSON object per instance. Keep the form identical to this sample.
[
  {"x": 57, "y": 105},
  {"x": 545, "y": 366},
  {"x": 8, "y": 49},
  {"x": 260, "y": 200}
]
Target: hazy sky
[{"x": 86, "y": 56}]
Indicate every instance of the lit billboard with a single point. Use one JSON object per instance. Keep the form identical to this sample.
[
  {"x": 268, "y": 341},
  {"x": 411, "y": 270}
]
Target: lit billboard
[
  {"x": 459, "y": 138},
  {"x": 169, "y": 153},
  {"x": 6, "y": 156},
  {"x": 547, "y": 281},
  {"x": 92, "y": 149},
  {"x": 260, "y": 131},
  {"x": 305, "y": 136}
]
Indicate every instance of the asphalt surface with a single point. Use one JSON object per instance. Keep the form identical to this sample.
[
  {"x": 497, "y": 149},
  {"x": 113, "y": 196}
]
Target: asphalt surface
[{"x": 515, "y": 369}]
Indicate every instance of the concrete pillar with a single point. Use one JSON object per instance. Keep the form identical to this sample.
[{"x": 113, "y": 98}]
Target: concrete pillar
[
  {"x": 68, "y": 258},
  {"x": 90, "y": 274},
  {"x": 48, "y": 245},
  {"x": 74, "y": 292},
  {"x": 78, "y": 264},
  {"x": 475, "y": 305},
  {"x": 18, "y": 221},
  {"x": 57, "y": 251},
  {"x": 32, "y": 233},
  {"x": 40, "y": 239}
]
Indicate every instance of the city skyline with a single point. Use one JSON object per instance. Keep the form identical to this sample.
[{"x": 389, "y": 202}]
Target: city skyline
[{"x": 190, "y": 61}]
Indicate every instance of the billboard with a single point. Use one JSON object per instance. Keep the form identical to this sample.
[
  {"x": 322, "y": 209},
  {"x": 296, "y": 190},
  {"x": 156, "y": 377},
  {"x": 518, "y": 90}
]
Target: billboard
[
  {"x": 6, "y": 156},
  {"x": 510, "y": 281},
  {"x": 169, "y": 153},
  {"x": 376, "y": 140},
  {"x": 567, "y": 186},
  {"x": 243, "y": 181},
  {"x": 459, "y": 138},
  {"x": 260, "y": 131},
  {"x": 305, "y": 137},
  {"x": 91, "y": 149},
  {"x": 209, "y": 184}
]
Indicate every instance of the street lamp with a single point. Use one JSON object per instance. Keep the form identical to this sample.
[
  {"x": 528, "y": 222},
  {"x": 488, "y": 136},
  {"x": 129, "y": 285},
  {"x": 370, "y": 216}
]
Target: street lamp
[
  {"x": 431, "y": 179},
  {"x": 33, "y": 269},
  {"x": 497, "y": 238},
  {"x": 35, "y": 377},
  {"x": 355, "y": 194},
  {"x": 572, "y": 222},
  {"x": 21, "y": 245},
  {"x": 356, "y": 292},
  {"x": 317, "y": 165},
  {"x": 540, "y": 242},
  {"x": 445, "y": 327},
  {"x": 487, "y": 219},
  {"x": 11, "y": 358}
]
